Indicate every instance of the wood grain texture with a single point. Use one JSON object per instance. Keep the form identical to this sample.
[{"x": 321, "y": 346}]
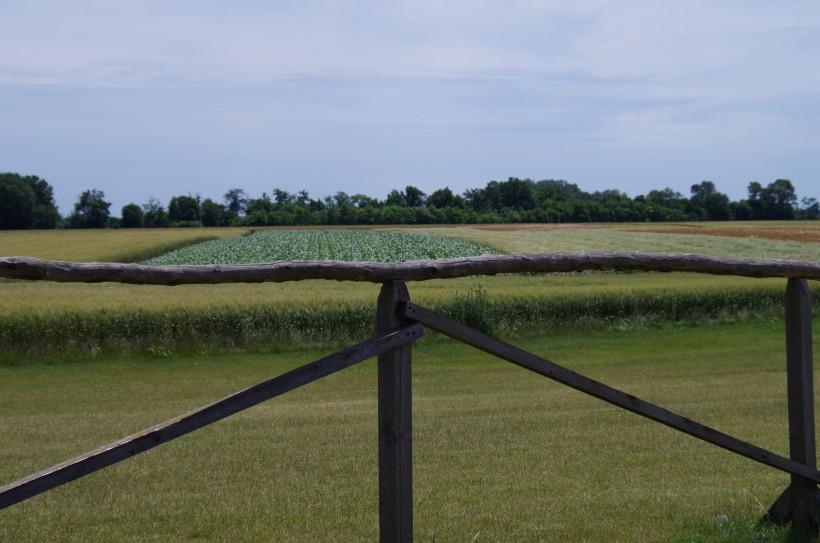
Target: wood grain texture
[{"x": 21, "y": 267}]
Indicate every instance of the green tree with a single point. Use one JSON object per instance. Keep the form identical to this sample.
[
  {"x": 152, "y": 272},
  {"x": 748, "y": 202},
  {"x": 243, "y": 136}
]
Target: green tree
[
  {"x": 779, "y": 199},
  {"x": 259, "y": 206},
  {"x": 516, "y": 193},
  {"x": 754, "y": 202},
  {"x": 27, "y": 202},
  {"x": 742, "y": 211},
  {"x": 444, "y": 198},
  {"x": 282, "y": 197},
  {"x": 707, "y": 204},
  {"x": 235, "y": 200},
  {"x": 394, "y": 198},
  {"x": 90, "y": 211},
  {"x": 302, "y": 198},
  {"x": 488, "y": 198},
  {"x": 409, "y": 197},
  {"x": 342, "y": 199},
  {"x": 214, "y": 214},
  {"x": 472, "y": 199},
  {"x": 413, "y": 196},
  {"x": 558, "y": 190},
  {"x": 17, "y": 201},
  {"x": 664, "y": 205},
  {"x": 184, "y": 211},
  {"x": 154, "y": 215},
  {"x": 132, "y": 216},
  {"x": 809, "y": 208},
  {"x": 362, "y": 200},
  {"x": 775, "y": 201},
  {"x": 46, "y": 215}
]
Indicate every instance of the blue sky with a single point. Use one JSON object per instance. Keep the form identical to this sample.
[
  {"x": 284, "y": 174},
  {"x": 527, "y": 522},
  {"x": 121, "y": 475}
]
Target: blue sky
[{"x": 156, "y": 98}]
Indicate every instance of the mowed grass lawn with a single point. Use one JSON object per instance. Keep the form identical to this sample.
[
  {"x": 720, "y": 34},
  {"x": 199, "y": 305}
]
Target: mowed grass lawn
[{"x": 500, "y": 454}]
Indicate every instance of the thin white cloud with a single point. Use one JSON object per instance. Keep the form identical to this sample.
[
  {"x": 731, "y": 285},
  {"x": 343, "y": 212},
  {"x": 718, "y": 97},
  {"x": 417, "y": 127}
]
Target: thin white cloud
[{"x": 434, "y": 88}]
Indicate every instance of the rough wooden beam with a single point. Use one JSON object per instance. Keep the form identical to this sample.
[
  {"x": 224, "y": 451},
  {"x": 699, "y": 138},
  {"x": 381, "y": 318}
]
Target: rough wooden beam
[
  {"x": 800, "y": 373},
  {"x": 799, "y": 502},
  {"x": 395, "y": 424},
  {"x": 21, "y": 267}
]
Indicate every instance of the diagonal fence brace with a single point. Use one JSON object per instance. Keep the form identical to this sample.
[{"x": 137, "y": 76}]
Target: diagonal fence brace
[
  {"x": 599, "y": 390},
  {"x": 132, "y": 445}
]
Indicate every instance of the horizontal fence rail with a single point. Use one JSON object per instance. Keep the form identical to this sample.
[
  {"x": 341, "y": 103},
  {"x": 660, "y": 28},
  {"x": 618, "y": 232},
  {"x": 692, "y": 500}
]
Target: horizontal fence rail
[{"x": 20, "y": 267}]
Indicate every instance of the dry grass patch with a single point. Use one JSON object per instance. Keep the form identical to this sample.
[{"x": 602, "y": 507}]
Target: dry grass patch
[
  {"x": 806, "y": 232},
  {"x": 803, "y": 231},
  {"x": 104, "y": 245},
  {"x": 560, "y": 238}
]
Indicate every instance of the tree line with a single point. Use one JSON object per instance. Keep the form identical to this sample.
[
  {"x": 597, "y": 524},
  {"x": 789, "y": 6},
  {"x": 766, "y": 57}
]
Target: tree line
[{"x": 28, "y": 202}]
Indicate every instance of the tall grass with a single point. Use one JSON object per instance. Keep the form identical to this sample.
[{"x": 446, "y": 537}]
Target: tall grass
[
  {"x": 66, "y": 319},
  {"x": 266, "y": 326}
]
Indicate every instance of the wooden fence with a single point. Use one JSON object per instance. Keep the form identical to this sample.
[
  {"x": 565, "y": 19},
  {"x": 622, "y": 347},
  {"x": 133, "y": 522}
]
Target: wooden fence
[{"x": 400, "y": 322}]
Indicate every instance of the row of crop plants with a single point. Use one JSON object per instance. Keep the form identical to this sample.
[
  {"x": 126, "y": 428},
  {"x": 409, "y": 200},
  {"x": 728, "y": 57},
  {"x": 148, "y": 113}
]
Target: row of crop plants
[
  {"x": 347, "y": 245},
  {"x": 272, "y": 326}
]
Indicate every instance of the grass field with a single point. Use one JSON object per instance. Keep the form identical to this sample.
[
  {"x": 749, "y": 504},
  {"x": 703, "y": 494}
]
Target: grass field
[
  {"x": 131, "y": 245},
  {"x": 500, "y": 454},
  {"x": 799, "y": 241},
  {"x": 35, "y": 313}
]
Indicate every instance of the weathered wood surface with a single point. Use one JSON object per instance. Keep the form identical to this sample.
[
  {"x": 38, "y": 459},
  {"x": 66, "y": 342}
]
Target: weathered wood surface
[
  {"x": 162, "y": 433},
  {"x": 584, "y": 384},
  {"x": 21, "y": 267},
  {"x": 395, "y": 424},
  {"x": 799, "y": 503},
  {"x": 800, "y": 373}
]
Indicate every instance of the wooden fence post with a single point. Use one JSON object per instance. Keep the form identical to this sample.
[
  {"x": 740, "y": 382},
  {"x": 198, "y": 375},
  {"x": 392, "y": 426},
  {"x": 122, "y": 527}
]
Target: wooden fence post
[
  {"x": 799, "y": 502},
  {"x": 395, "y": 425},
  {"x": 800, "y": 376}
]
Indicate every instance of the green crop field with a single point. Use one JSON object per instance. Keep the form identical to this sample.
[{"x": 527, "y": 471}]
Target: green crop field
[
  {"x": 346, "y": 245},
  {"x": 499, "y": 454},
  {"x": 69, "y": 319}
]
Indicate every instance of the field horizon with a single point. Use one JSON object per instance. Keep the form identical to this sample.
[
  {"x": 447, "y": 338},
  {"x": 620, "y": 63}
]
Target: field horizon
[
  {"x": 70, "y": 320},
  {"x": 499, "y": 454}
]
